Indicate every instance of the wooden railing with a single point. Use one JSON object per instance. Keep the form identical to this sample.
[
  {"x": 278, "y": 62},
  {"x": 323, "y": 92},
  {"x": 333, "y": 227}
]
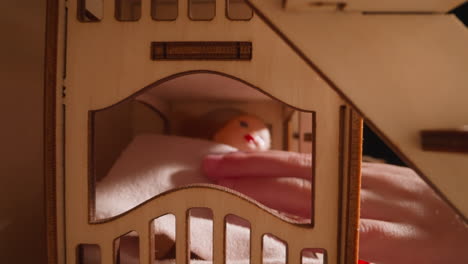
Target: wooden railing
[{"x": 222, "y": 202}]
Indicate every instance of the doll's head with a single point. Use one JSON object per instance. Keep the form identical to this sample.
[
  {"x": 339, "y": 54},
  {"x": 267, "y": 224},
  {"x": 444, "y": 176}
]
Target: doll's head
[
  {"x": 232, "y": 127},
  {"x": 244, "y": 132}
]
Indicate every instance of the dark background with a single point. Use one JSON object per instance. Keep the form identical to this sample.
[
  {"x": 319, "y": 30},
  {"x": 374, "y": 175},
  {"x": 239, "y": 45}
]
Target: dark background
[{"x": 462, "y": 13}]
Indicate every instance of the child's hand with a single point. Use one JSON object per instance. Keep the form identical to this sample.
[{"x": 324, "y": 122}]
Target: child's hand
[
  {"x": 402, "y": 219},
  {"x": 277, "y": 179}
]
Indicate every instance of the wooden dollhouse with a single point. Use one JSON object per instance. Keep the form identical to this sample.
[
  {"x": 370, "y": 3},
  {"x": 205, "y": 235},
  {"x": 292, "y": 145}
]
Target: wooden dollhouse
[{"x": 399, "y": 64}]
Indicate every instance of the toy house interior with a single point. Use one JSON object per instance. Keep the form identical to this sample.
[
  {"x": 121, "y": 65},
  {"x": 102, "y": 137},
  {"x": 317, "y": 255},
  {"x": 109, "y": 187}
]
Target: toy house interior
[
  {"x": 187, "y": 114},
  {"x": 145, "y": 90}
]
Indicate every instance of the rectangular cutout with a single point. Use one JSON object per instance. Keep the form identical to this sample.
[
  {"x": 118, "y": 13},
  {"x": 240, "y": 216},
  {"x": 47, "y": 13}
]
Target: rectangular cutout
[
  {"x": 274, "y": 250},
  {"x": 327, "y": 6},
  {"x": 88, "y": 254},
  {"x": 163, "y": 234},
  {"x": 127, "y": 10},
  {"x": 314, "y": 255},
  {"x": 122, "y": 158},
  {"x": 90, "y": 10},
  {"x": 201, "y": 50},
  {"x": 237, "y": 239},
  {"x": 164, "y": 10},
  {"x": 200, "y": 242},
  {"x": 238, "y": 10},
  {"x": 127, "y": 248},
  {"x": 202, "y": 9},
  {"x": 116, "y": 146}
]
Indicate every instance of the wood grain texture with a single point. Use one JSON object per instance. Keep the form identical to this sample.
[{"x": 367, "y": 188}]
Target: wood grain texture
[
  {"x": 109, "y": 62},
  {"x": 182, "y": 235},
  {"x": 400, "y": 6},
  {"x": 219, "y": 238},
  {"x": 397, "y": 108},
  {"x": 445, "y": 140}
]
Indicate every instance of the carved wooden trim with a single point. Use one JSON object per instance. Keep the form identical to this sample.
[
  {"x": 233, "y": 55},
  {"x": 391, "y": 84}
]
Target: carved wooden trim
[{"x": 204, "y": 50}]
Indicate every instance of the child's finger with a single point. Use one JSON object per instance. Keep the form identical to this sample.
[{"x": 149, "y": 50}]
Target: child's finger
[
  {"x": 394, "y": 209},
  {"x": 290, "y": 195},
  {"x": 386, "y": 242},
  {"x": 258, "y": 164},
  {"x": 392, "y": 181}
]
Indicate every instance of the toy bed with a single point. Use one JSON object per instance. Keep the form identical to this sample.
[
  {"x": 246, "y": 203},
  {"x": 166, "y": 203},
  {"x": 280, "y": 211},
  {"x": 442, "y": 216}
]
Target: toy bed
[
  {"x": 157, "y": 120},
  {"x": 105, "y": 59},
  {"x": 135, "y": 178}
]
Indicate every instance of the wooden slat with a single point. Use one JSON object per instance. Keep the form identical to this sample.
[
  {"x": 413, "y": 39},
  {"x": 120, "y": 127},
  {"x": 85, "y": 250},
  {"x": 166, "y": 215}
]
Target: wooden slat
[
  {"x": 107, "y": 253},
  {"x": 445, "y": 140},
  {"x": 293, "y": 255},
  {"x": 201, "y": 50},
  {"x": 256, "y": 246},
  {"x": 146, "y": 249},
  {"x": 219, "y": 238},
  {"x": 182, "y": 237}
]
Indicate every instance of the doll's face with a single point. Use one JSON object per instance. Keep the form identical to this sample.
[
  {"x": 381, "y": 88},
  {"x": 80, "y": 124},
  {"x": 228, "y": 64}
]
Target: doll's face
[{"x": 246, "y": 133}]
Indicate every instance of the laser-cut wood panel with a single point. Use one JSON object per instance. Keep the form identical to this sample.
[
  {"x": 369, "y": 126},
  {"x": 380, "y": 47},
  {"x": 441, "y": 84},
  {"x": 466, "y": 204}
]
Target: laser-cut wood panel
[
  {"x": 110, "y": 61},
  {"x": 377, "y": 64}
]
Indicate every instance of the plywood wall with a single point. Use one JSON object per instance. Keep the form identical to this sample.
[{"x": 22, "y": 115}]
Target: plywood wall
[{"x": 114, "y": 129}]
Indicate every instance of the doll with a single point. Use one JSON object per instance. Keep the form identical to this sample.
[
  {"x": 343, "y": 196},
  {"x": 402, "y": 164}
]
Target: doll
[
  {"x": 232, "y": 127},
  {"x": 244, "y": 132}
]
